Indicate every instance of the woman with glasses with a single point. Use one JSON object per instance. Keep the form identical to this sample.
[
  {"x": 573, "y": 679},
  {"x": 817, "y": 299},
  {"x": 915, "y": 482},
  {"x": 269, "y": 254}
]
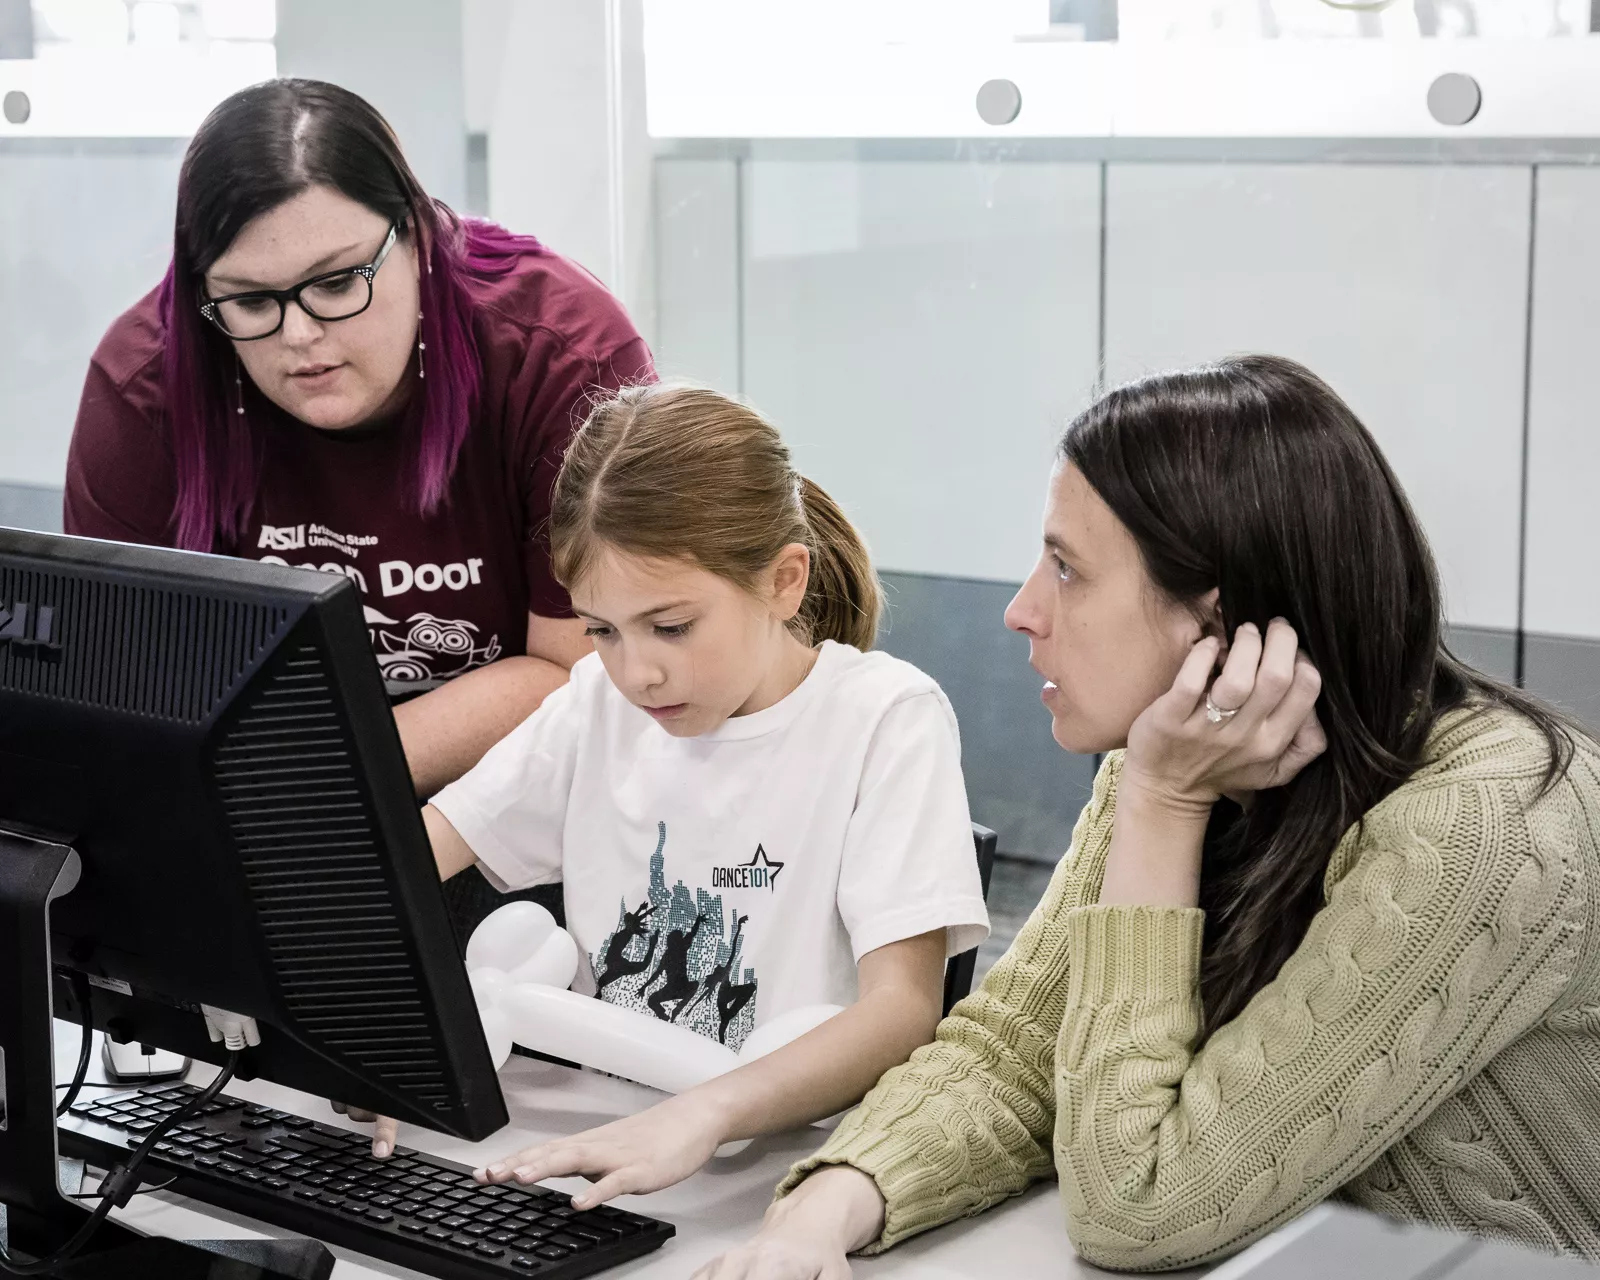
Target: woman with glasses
[{"x": 338, "y": 372}]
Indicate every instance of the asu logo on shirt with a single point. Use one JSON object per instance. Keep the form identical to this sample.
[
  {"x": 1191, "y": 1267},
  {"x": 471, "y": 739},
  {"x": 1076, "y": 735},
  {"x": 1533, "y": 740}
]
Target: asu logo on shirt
[{"x": 286, "y": 538}]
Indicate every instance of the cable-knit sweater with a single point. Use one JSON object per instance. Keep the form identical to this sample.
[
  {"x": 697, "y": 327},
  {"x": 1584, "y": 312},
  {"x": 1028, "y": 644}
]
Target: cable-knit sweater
[{"x": 1431, "y": 1050}]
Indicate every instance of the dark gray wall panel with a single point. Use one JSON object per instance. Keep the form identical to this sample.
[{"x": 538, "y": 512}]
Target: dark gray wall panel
[
  {"x": 1018, "y": 780},
  {"x": 30, "y": 506},
  {"x": 1491, "y": 649},
  {"x": 1567, "y": 672}
]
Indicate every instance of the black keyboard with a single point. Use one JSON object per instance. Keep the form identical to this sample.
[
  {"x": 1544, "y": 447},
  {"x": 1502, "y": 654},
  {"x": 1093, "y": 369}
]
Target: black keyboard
[{"x": 323, "y": 1182}]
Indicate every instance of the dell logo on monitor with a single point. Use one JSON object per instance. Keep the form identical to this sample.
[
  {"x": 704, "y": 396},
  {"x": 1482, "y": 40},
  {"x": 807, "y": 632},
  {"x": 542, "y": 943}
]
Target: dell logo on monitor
[{"x": 28, "y": 626}]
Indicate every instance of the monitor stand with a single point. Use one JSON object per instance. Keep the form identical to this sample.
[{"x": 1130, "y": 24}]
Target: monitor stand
[{"x": 38, "y": 1217}]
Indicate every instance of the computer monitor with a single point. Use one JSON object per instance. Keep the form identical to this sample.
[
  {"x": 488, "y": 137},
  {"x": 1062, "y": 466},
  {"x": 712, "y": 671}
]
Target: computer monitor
[{"x": 211, "y": 739}]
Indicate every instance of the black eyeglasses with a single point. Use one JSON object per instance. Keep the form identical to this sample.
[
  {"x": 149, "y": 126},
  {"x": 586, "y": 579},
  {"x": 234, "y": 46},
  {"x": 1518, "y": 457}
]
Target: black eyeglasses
[{"x": 334, "y": 295}]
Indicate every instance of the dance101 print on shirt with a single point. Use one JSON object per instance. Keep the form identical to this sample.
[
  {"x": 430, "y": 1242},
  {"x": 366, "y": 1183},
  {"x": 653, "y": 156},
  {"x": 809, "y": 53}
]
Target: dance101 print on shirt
[{"x": 677, "y": 956}]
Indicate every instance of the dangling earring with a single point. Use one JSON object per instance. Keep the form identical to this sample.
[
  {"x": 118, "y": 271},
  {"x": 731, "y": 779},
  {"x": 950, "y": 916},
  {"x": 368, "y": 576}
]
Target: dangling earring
[
  {"x": 238, "y": 381},
  {"x": 421, "y": 347}
]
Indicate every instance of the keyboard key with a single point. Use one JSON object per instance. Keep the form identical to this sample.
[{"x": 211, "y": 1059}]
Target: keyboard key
[
  {"x": 385, "y": 1202},
  {"x": 180, "y": 1153},
  {"x": 430, "y": 1215},
  {"x": 308, "y": 1193},
  {"x": 455, "y": 1222},
  {"x": 208, "y": 1162},
  {"x": 477, "y": 1229},
  {"x": 522, "y": 1262},
  {"x": 554, "y": 1252},
  {"x": 378, "y": 1215},
  {"x": 251, "y": 1175},
  {"x": 255, "y": 1109},
  {"x": 406, "y": 1208},
  {"x": 255, "y": 1122},
  {"x": 438, "y": 1233},
  {"x": 275, "y": 1184},
  {"x": 487, "y": 1250},
  {"x": 139, "y": 1126},
  {"x": 228, "y": 1166},
  {"x": 501, "y": 1237},
  {"x": 206, "y": 1144},
  {"x": 462, "y": 1242},
  {"x": 354, "y": 1207},
  {"x": 414, "y": 1227},
  {"x": 530, "y": 1239},
  {"x": 295, "y": 1122}
]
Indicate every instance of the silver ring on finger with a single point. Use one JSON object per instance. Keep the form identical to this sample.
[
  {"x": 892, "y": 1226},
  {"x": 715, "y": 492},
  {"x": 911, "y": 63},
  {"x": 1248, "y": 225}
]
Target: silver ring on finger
[{"x": 1216, "y": 714}]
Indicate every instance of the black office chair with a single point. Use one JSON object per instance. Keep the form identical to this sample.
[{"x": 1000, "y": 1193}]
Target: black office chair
[{"x": 958, "y": 973}]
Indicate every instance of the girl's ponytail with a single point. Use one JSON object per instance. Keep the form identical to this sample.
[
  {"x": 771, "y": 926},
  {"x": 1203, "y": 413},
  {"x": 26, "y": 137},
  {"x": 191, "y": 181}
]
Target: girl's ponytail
[{"x": 843, "y": 601}]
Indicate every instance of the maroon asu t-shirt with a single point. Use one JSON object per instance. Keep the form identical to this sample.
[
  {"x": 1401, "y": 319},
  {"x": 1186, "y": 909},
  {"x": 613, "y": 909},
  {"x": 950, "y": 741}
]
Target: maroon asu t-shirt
[{"x": 443, "y": 594}]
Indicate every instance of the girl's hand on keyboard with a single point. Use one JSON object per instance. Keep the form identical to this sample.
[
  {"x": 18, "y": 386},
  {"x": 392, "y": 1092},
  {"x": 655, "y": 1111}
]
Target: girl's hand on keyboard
[
  {"x": 646, "y": 1152},
  {"x": 807, "y": 1235},
  {"x": 384, "y": 1128}
]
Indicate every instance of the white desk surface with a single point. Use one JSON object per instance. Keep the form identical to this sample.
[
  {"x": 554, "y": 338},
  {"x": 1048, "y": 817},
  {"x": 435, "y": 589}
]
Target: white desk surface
[
  {"x": 715, "y": 1209},
  {"x": 723, "y": 1203}
]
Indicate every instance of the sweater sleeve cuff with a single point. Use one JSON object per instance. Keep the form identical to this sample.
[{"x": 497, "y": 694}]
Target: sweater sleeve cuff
[
  {"x": 913, "y": 1198},
  {"x": 1133, "y": 953}
]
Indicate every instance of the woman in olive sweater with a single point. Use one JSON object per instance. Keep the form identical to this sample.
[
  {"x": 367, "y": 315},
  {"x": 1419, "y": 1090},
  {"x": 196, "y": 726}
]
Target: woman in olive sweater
[{"x": 1327, "y": 926}]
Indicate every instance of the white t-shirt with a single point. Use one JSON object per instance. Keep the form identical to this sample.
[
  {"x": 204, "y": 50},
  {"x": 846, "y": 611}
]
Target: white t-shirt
[{"x": 720, "y": 881}]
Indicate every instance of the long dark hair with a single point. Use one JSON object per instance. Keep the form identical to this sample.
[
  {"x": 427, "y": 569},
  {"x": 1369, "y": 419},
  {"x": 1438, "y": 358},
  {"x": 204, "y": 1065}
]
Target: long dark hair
[
  {"x": 258, "y": 148},
  {"x": 1251, "y": 476}
]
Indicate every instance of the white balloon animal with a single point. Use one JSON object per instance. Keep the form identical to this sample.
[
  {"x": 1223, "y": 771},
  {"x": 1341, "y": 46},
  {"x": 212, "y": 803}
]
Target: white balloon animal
[{"x": 520, "y": 963}]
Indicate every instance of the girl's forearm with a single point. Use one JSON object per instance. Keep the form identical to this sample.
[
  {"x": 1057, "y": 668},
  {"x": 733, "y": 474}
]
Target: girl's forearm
[
  {"x": 824, "y": 1071},
  {"x": 446, "y": 731}
]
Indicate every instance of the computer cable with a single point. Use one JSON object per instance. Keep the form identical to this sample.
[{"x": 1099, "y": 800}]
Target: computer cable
[
  {"x": 80, "y": 987},
  {"x": 100, "y": 1191},
  {"x": 121, "y": 1181}
]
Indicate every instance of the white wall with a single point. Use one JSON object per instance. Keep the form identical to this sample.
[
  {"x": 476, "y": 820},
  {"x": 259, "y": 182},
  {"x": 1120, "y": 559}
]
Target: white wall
[
  {"x": 919, "y": 330},
  {"x": 1405, "y": 286},
  {"x": 85, "y": 230},
  {"x": 404, "y": 57},
  {"x": 1564, "y": 417},
  {"x": 569, "y": 159}
]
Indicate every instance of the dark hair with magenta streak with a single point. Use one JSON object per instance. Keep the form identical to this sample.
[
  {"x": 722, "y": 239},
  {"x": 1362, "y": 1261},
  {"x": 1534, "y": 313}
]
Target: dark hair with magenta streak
[
  {"x": 1251, "y": 476},
  {"x": 260, "y": 147}
]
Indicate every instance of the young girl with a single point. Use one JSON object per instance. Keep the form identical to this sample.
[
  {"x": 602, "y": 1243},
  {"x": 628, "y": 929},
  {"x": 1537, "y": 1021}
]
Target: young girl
[{"x": 748, "y": 811}]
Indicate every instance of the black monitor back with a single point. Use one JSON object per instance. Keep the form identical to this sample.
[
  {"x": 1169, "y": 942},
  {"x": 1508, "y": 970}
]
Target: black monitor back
[{"x": 212, "y": 737}]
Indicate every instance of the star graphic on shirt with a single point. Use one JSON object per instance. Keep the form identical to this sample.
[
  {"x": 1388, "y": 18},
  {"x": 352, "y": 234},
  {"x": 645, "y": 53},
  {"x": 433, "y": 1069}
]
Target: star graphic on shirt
[{"x": 772, "y": 868}]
